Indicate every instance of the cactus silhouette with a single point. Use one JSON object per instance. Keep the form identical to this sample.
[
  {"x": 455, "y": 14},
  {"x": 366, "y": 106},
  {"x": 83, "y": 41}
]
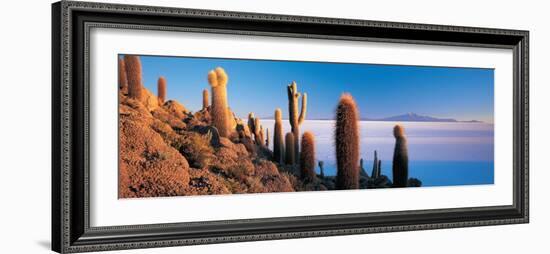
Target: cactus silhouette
[
  {"x": 295, "y": 119},
  {"x": 161, "y": 90},
  {"x": 362, "y": 171},
  {"x": 289, "y": 148},
  {"x": 379, "y": 168},
  {"x": 400, "y": 165},
  {"x": 321, "y": 169},
  {"x": 220, "y": 113},
  {"x": 347, "y": 143},
  {"x": 375, "y": 171},
  {"x": 133, "y": 74},
  {"x": 278, "y": 142},
  {"x": 205, "y": 102},
  {"x": 307, "y": 157},
  {"x": 122, "y": 78}
]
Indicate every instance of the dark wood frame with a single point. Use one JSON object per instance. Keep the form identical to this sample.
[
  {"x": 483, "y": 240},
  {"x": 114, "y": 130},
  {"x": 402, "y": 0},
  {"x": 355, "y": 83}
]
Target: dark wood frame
[{"x": 71, "y": 22}]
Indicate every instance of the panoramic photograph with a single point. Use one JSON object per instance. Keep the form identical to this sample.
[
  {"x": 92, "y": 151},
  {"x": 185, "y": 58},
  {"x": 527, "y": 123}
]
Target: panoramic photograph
[{"x": 210, "y": 126}]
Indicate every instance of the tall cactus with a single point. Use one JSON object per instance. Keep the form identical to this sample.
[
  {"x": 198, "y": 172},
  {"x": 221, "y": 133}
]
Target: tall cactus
[
  {"x": 161, "y": 90},
  {"x": 347, "y": 143},
  {"x": 267, "y": 137},
  {"x": 133, "y": 74},
  {"x": 295, "y": 119},
  {"x": 362, "y": 171},
  {"x": 278, "y": 142},
  {"x": 122, "y": 78},
  {"x": 258, "y": 131},
  {"x": 260, "y": 140},
  {"x": 289, "y": 149},
  {"x": 220, "y": 113},
  {"x": 307, "y": 157},
  {"x": 374, "y": 173},
  {"x": 250, "y": 123},
  {"x": 254, "y": 132},
  {"x": 379, "y": 168},
  {"x": 321, "y": 169},
  {"x": 205, "y": 102},
  {"x": 400, "y": 165}
]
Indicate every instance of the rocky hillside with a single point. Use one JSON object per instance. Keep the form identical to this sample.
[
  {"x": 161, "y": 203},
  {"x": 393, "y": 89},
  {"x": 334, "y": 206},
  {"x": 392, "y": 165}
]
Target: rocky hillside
[{"x": 168, "y": 151}]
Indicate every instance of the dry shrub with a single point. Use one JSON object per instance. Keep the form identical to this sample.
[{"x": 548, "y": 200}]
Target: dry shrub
[
  {"x": 175, "y": 109},
  {"x": 204, "y": 182},
  {"x": 196, "y": 148},
  {"x": 164, "y": 116}
]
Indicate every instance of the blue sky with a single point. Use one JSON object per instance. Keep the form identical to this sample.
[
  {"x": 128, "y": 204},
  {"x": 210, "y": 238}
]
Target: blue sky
[{"x": 380, "y": 90}]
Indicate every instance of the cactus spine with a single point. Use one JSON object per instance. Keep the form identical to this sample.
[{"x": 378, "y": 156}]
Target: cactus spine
[
  {"x": 321, "y": 169},
  {"x": 161, "y": 90},
  {"x": 220, "y": 113},
  {"x": 289, "y": 148},
  {"x": 347, "y": 143},
  {"x": 278, "y": 142},
  {"x": 133, "y": 74},
  {"x": 307, "y": 157},
  {"x": 400, "y": 165},
  {"x": 205, "y": 102},
  {"x": 295, "y": 119},
  {"x": 122, "y": 78}
]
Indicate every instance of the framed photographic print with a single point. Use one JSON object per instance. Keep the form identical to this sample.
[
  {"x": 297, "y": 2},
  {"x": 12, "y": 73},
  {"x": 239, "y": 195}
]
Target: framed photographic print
[{"x": 182, "y": 126}]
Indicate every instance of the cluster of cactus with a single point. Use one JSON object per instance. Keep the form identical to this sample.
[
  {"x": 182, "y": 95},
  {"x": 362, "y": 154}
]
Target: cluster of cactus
[
  {"x": 347, "y": 143},
  {"x": 376, "y": 166},
  {"x": 296, "y": 118},
  {"x": 307, "y": 157},
  {"x": 205, "y": 103},
  {"x": 278, "y": 142},
  {"x": 161, "y": 90},
  {"x": 134, "y": 76},
  {"x": 221, "y": 119},
  {"x": 256, "y": 129},
  {"x": 289, "y": 149},
  {"x": 122, "y": 78},
  {"x": 400, "y": 167}
]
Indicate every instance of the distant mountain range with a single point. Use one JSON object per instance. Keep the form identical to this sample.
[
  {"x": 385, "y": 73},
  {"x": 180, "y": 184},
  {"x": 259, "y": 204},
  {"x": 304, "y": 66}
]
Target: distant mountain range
[
  {"x": 412, "y": 117},
  {"x": 409, "y": 117}
]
